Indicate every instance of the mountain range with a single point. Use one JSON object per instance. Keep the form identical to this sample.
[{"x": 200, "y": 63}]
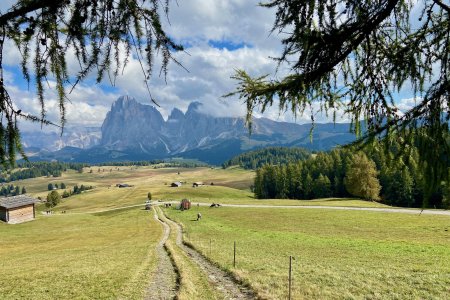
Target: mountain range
[{"x": 134, "y": 131}]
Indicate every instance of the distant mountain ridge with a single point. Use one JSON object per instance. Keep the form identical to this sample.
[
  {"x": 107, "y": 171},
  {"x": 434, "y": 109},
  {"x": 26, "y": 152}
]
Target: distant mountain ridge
[
  {"x": 135, "y": 131},
  {"x": 79, "y": 137}
]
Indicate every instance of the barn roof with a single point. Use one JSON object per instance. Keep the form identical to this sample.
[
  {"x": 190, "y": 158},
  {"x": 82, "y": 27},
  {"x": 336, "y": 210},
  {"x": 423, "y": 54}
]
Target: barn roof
[{"x": 16, "y": 201}]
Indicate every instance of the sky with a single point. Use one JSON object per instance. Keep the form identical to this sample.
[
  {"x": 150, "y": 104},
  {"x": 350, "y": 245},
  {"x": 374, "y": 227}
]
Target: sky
[{"x": 220, "y": 36}]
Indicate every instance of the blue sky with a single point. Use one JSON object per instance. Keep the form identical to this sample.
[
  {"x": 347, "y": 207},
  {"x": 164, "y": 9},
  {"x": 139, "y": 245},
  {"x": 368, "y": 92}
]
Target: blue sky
[{"x": 220, "y": 35}]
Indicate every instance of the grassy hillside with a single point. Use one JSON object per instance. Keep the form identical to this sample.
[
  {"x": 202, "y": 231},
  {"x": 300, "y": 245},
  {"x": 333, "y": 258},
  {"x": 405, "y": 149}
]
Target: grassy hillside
[
  {"x": 80, "y": 256},
  {"x": 338, "y": 254},
  {"x": 86, "y": 253}
]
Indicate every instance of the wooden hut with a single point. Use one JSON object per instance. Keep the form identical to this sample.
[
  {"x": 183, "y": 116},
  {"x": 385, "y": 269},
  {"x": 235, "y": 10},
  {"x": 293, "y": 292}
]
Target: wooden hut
[
  {"x": 17, "y": 209},
  {"x": 185, "y": 204}
]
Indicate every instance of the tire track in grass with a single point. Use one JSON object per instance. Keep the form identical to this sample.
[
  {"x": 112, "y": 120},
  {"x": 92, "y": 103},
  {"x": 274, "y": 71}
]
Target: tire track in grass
[
  {"x": 221, "y": 280},
  {"x": 165, "y": 280}
]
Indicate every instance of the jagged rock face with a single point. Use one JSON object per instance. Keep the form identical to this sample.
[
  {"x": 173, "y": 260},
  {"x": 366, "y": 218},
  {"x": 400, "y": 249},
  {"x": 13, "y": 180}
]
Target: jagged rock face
[
  {"x": 139, "y": 129},
  {"x": 134, "y": 126},
  {"x": 131, "y": 125},
  {"x": 195, "y": 129},
  {"x": 134, "y": 131}
]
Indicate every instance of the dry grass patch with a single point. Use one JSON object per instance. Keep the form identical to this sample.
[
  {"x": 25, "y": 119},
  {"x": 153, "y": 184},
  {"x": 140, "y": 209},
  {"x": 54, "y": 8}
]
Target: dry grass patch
[{"x": 86, "y": 256}]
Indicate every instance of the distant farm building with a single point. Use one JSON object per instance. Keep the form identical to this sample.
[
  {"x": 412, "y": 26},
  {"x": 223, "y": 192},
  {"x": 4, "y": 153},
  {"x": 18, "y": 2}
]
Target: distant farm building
[
  {"x": 17, "y": 209},
  {"x": 197, "y": 184},
  {"x": 176, "y": 184},
  {"x": 185, "y": 204},
  {"x": 123, "y": 185}
]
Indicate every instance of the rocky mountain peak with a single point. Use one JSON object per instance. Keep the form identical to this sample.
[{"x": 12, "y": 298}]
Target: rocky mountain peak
[
  {"x": 130, "y": 124},
  {"x": 193, "y": 108},
  {"x": 176, "y": 114}
]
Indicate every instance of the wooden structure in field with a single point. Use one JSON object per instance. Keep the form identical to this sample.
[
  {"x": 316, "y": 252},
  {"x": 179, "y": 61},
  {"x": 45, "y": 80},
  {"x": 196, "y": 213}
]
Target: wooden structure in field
[
  {"x": 185, "y": 204},
  {"x": 17, "y": 209}
]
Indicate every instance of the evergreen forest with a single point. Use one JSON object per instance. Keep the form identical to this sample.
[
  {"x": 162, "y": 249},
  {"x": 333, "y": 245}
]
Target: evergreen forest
[{"x": 373, "y": 174}]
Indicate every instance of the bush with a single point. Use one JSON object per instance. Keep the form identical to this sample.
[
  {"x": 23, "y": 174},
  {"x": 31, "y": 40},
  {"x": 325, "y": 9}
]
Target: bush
[{"x": 53, "y": 198}]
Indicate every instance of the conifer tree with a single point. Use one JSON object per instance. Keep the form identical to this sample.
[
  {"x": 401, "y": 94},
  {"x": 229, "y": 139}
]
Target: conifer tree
[
  {"x": 361, "y": 178},
  {"x": 321, "y": 187},
  {"x": 357, "y": 56}
]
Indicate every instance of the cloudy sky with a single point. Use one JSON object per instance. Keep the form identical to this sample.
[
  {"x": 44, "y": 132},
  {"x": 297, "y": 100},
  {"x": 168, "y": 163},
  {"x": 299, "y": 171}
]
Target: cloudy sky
[{"x": 220, "y": 36}]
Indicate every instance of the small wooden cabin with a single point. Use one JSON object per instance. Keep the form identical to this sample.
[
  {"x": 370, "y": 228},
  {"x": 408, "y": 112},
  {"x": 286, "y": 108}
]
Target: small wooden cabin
[
  {"x": 176, "y": 184},
  {"x": 185, "y": 204},
  {"x": 17, "y": 209}
]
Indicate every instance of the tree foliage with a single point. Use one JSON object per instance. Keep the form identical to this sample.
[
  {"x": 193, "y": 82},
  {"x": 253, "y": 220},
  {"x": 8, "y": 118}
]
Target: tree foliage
[
  {"x": 270, "y": 155},
  {"x": 45, "y": 32},
  {"x": 361, "y": 179},
  {"x": 53, "y": 199},
  {"x": 11, "y": 190},
  {"x": 358, "y": 55},
  {"x": 340, "y": 173}
]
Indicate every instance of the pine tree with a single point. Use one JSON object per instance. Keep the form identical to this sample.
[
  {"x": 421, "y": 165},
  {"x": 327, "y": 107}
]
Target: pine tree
[
  {"x": 361, "y": 178},
  {"x": 258, "y": 184},
  {"x": 308, "y": 186},
  {"x": 50, "y": 186},
  {"x": 24, "y": 191},
  {"x": 321, "y": 187},
  {"x": 280, "y": 182},
  {"x": 360, "y": 54}
]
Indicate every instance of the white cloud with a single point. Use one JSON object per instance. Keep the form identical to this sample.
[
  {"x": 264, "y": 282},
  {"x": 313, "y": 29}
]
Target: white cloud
[{"x": 194, "y": 22}]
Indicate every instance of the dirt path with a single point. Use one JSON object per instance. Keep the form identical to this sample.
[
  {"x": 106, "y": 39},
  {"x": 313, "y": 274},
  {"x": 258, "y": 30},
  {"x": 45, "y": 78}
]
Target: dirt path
[
  {"x": 164, "y": 280},
  {"x": 220, "y": 279}
]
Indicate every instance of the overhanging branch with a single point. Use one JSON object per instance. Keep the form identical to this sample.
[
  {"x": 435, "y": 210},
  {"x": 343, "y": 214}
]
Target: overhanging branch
[{"x": 29, "y": 7}]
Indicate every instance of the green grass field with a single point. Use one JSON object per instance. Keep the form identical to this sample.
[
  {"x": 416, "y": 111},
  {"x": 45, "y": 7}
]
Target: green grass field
[
  {"x": 231, "y": 186},
  {"x": 86, "y": 254},
  {"x": 83, "y": 256},
  {"x": 338, "y": 254}
]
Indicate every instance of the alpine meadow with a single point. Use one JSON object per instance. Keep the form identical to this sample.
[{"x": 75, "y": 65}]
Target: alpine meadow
[{"x": 197, "y": 150}]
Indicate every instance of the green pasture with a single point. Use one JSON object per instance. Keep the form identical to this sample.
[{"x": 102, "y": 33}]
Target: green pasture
[
  {"x": 87, "y": 254},
  {"x": 338, "y": 254},
  {"x": 80, "y": 256},
  {"x": 230, "y": 186}
]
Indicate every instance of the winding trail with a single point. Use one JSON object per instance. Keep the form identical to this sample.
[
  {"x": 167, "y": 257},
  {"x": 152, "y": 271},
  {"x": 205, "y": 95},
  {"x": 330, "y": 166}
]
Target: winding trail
[
  {"x": 221, "y": 280},
  {"x": 164, "y": 280}
]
